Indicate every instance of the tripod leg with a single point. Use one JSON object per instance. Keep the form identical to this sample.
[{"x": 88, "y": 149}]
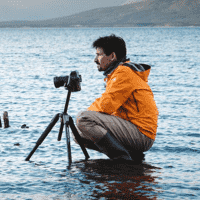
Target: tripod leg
[
  {"x": 65, "y": 120},
  {"x": 78, "y": 137},
  {"x": 60, "y": 131},
  {"x": 43, "y": 136},
  {"x": 68, "y": 143}
]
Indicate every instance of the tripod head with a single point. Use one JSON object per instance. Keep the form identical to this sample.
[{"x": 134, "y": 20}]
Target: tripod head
[{"x": 71, "y": 82}]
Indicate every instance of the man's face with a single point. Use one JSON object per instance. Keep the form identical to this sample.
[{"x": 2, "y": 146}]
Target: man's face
[{"x": 102, "y": 60}]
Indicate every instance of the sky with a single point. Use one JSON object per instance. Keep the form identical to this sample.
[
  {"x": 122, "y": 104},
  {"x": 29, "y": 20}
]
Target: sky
[{"x": 46, "y": 9}]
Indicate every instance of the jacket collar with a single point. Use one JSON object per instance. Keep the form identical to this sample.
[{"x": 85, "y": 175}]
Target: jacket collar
[{"x": 114, "y": 65}]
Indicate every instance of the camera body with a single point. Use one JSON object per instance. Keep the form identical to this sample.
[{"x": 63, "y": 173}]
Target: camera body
[{"x": 71, "y": 82}]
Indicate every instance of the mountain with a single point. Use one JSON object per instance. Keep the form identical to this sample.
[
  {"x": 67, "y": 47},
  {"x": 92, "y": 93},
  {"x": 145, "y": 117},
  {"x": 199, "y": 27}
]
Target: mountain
[
  {"x": 139, "y": 14},
  {"x": 48, "y": 9}
]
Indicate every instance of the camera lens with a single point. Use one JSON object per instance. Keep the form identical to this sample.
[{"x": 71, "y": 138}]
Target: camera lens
[{"x": 60, "y": 81}]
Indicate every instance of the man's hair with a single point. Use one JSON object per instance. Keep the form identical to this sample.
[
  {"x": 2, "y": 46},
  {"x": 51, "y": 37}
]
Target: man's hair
[{"x": 111, "y": 44}]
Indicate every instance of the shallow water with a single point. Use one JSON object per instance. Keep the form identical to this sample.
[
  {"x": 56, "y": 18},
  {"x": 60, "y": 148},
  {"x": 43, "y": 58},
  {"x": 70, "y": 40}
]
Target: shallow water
[{"x": 30, "y": 58}]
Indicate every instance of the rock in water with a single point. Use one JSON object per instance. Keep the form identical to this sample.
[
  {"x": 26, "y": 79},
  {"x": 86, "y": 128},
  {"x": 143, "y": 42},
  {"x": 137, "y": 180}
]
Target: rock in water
[
  {"x": 0, "y": 123},
  {"x": 5, "y": 119},
  {"x": 24, "y": 126}
]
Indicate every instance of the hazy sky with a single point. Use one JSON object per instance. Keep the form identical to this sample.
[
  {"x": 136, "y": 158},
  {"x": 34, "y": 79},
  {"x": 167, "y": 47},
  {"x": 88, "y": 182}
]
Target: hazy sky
[{"x": 43, "y": 9}]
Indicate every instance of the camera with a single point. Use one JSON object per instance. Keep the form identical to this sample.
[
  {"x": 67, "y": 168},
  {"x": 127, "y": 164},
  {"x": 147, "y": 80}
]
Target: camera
[{"x": 71, "y": 82}]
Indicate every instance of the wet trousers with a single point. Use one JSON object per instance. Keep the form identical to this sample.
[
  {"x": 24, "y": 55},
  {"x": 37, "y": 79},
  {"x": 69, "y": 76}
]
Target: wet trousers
[{"x": 93, "y": 126}]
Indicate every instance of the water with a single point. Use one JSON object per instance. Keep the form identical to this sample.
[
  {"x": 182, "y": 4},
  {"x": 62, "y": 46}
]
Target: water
[{"x": 30, "y": 58}]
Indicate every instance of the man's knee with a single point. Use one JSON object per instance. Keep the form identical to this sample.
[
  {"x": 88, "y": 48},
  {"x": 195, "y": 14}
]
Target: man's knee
[{"x": 81, "y": 119}]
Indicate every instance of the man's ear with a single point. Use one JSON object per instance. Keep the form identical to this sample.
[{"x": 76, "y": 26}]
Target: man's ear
[{"x": 113, "y": 56}]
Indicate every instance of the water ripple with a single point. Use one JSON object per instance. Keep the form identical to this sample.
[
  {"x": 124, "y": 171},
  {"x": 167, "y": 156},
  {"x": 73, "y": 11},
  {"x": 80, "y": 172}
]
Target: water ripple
[{"x": 30, "y": 60}]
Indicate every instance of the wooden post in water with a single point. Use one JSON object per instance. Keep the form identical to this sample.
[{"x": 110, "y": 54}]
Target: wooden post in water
[
  {"x": 0, "y": 123},
  {"x": 5, "y": 119}
]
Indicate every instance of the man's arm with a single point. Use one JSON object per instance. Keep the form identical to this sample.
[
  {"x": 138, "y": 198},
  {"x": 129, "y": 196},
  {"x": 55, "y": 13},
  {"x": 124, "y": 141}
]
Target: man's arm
[{"x": 119, "y": 88}]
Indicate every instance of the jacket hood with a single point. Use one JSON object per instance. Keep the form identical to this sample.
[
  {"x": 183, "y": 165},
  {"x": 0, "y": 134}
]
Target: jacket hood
[{"x": 142, "y": 70}]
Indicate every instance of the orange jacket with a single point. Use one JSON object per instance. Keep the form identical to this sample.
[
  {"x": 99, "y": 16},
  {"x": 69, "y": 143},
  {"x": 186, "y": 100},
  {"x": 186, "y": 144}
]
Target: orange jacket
[{"x": 129, "y": 96}]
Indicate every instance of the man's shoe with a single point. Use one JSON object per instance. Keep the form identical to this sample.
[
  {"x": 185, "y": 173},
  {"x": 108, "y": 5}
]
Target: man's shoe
[
  {"x": 137, "y": 156},
  {"x": 110, "y": 146}
]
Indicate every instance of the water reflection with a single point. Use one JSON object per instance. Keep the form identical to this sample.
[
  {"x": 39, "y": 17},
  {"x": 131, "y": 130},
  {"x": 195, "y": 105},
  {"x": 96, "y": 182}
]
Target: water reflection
[{"x": 118, "y": 180}]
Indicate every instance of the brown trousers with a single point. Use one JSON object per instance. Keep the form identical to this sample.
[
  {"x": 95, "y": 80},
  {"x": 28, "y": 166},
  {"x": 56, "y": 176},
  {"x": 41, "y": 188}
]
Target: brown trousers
[{"x": 93, "y": 126}]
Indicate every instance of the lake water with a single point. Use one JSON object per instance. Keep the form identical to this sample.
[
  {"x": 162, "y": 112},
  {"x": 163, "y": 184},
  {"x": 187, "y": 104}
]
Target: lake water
[{"x": 29, "y": 60}]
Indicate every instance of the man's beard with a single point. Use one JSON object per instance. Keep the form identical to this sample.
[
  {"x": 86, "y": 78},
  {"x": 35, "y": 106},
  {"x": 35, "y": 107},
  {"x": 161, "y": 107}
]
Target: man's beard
[{"x": 100, "y": 69}]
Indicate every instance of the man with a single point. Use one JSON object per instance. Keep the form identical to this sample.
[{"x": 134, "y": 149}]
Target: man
[{"x": 122, "y": 123}]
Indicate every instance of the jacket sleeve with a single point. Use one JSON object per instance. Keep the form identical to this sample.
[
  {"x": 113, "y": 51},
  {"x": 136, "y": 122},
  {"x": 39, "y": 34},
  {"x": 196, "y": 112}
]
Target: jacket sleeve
[{"x": 119, "y": 87}]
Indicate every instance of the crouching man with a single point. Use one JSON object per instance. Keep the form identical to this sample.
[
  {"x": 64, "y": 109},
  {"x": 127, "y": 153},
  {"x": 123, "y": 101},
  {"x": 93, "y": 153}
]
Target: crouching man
[{"x": 122, "y": 123}]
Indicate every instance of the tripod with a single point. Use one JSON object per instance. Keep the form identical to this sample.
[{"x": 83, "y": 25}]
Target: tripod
[{"x": 67, "y": 121}]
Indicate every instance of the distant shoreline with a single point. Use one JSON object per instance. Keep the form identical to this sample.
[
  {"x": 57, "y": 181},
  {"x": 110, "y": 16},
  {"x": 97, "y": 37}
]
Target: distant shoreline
[
  {"x": 82, "y": 27},
  {"x": 145, "y": 14}
]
